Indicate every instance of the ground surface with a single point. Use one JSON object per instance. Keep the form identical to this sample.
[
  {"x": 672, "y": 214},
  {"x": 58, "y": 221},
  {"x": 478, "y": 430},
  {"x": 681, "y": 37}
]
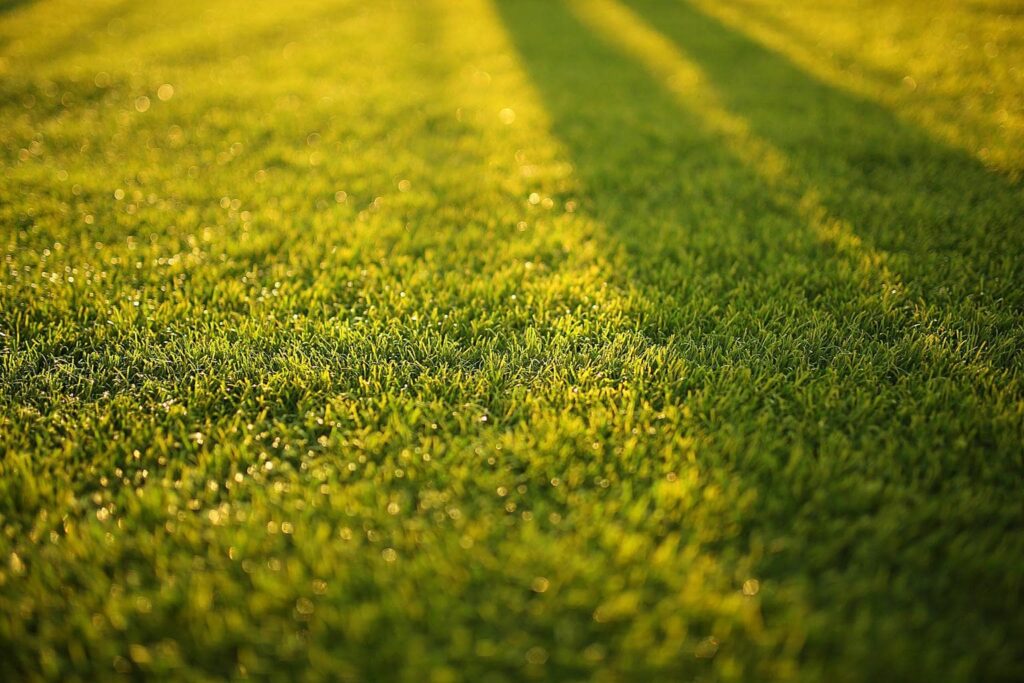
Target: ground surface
[{"x": 483, "y": 341}]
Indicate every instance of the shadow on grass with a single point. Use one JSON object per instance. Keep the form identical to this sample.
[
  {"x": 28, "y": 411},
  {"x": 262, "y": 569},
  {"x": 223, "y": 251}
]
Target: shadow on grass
[
  {"x": 10, "y": 5},
  {"x": 814, "y": 385},
  {"x": 665, "y": 185},
  {"x": 949, "y": 222}
]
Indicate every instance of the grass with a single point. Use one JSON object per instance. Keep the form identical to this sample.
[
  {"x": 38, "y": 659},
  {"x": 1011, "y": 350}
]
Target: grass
[{"x": 598, "y": 340}]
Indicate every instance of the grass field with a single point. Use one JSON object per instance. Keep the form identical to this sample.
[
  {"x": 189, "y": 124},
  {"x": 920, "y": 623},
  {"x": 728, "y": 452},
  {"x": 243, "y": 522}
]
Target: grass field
[{"x": 493, "y": 340}]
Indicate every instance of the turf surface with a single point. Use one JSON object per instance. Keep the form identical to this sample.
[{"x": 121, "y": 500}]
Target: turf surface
[{"x": 497, "y": 340}]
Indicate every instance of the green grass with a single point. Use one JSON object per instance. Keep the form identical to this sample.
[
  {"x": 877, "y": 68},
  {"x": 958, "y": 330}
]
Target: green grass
[{"x": 609, "y": 340}]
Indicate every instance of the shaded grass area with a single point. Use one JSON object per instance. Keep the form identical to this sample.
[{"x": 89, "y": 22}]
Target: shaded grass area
[
  {"x": 8, "y": 5},
  {"x": 876, "y": 488},
  {"x": 492, "y": 341}
]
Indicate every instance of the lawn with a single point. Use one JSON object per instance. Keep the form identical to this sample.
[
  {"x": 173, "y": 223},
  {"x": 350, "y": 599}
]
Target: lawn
[{"x": 499, "y": 340}]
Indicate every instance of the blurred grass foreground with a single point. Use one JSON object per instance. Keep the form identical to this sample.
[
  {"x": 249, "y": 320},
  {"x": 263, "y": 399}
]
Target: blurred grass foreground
[{"x": 500, "y": 340}]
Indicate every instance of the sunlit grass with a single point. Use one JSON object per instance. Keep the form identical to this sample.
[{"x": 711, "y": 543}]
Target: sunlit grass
[{"x": 587, "y": 340}]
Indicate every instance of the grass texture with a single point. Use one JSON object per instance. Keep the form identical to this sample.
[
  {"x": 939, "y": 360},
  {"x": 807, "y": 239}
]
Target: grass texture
[{"x": 493, "y": 340}]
